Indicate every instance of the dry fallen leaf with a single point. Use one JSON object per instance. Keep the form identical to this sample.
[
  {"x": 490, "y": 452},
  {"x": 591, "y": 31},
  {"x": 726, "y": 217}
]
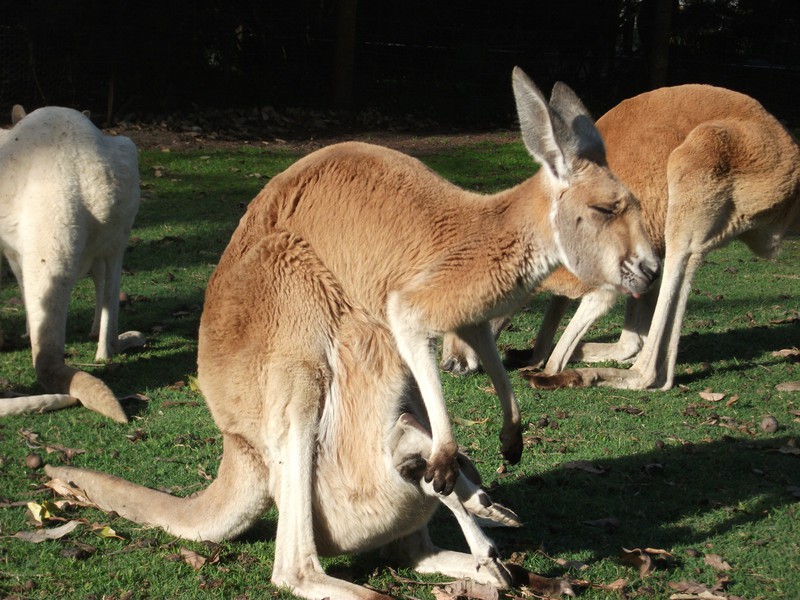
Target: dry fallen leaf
[
  {"x": 105, "y": 531},
  {"x": 615, "y": 586},
  {"x": 628, "y": 408},
  {"x": 193, "y": 558},
  {"x": 701, "y": 596},
  {"x": 76, "y": 494},
  {"x": 469, "y": 588},
  {"x": 788, "y": 386},
  {"x": 467, "y": 423},
  {"x": 572, "y": 564},
  {"x": 793, "y": 354},
  {"x": 715, "y": 561},
  {"x": 637, "y": 559},
  {"x": 710, "y": 396},
  {"x": 40, "y": 535}
]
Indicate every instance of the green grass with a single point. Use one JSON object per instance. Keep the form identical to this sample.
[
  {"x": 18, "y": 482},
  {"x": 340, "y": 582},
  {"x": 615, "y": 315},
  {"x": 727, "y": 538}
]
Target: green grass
[{"x": 688, "y": 476}]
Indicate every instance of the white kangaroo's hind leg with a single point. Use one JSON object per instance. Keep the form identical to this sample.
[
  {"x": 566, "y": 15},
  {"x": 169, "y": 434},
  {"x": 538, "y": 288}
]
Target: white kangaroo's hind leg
[{"x": 107, "y": 275}]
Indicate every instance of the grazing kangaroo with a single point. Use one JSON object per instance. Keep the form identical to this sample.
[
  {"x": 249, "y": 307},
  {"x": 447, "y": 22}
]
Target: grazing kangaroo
[
  {"x": 708, "y": 165},
  {"x": 68, "y": 198},
  {"x": 316, "y": 342}
]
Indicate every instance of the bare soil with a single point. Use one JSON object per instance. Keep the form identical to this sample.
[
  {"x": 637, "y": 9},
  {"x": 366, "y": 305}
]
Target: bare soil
[{"x": 168, "y": 138}]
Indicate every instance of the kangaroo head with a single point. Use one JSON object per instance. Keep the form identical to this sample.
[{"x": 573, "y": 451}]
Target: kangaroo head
[{"x": 596, "y": 221}]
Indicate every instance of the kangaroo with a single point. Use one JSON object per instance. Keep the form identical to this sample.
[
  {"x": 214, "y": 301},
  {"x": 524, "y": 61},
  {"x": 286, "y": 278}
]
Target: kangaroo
[
  {"x": 68, "y": 198},
  {"x": 315, "y": 350},
  {"x": 717, "y": 167}
]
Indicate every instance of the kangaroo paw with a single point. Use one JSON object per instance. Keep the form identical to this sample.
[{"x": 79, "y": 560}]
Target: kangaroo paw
[{"x": 443, "y": 469}]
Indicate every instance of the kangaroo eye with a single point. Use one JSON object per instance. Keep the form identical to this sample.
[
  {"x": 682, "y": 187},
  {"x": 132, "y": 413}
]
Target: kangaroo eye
[{"x": 605, "y": 210}]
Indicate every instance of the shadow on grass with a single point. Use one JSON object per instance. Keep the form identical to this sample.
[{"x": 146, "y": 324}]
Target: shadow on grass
[
  {"x": 743, "y": 344},
  {"x": 662, "y": 498}
]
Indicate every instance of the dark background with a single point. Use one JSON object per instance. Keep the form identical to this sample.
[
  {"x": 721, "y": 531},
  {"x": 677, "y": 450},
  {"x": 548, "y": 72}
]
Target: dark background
[{"x": 444, "y": 60}]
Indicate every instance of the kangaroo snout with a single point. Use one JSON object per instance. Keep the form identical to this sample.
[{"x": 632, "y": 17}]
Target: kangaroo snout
[{"x": 651, "y": 269}]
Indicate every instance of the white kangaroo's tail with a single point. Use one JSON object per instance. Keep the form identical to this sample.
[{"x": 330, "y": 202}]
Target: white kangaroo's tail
[{"x": 229, "y": 506}]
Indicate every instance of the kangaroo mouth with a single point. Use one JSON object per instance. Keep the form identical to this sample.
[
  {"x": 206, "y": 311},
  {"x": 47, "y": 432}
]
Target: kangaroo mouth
[{"x": 623, "y": 290}]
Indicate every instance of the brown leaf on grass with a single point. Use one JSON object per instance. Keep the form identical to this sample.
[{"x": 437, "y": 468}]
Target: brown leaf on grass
[
  {"x": 544, "y": 587},
  {"x": 646, "y": 560},
  {"x": 171, "y": 403},
  {"x": 793, "y": 319},
  {"x": 689, "y": 587},
  {"x": 137, "y": 435},
  {"x": 691, "y": 590},
  {"x": 638, "y": 559},
  {"x": 467, "y": 423},
  {"x": 192, "y": 558},
  {"x": 701, "y": 596},
  {"x": 137, "y": 397},
  {"x": 549, "y": 586},
  {"x": 793, "y": 354},
  {"x": 710, "y": 396},
  {"x": 716, "y": 562},
  {"x": 32, "y": 441},
  {"x": 469, "y": 588},
  {"x": 585, "y": 465},
  {"x": 572, "y": 564},
  {"x": 69, "y": 490},
  {"x": 41, "y": 535},
  {"x": 615, "y": 586},
  {"x": 628, "y": 408},
  {"x": 788, "y": 386}
]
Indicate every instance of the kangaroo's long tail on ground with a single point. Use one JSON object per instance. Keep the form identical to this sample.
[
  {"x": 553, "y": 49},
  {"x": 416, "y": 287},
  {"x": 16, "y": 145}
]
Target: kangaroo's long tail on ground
[{"x": 230, "y": 505}]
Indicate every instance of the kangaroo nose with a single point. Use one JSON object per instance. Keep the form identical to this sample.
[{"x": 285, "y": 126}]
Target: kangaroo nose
[{"x": 651, "y": 270}]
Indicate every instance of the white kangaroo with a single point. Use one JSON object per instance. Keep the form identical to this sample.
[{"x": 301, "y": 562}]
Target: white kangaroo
[
  {"x": 315, "y": 346},
  {"x": 68, "y": 198},
  {"x": 708, "y": 165}
]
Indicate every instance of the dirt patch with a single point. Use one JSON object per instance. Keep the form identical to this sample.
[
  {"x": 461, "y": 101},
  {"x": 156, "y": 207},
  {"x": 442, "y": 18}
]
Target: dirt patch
[
  {"x": 300, "y": 130},
  {"x": 419, "y": 143}
]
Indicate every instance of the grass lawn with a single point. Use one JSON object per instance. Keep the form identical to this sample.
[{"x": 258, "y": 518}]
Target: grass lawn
[{"x": 695, "y": 477}]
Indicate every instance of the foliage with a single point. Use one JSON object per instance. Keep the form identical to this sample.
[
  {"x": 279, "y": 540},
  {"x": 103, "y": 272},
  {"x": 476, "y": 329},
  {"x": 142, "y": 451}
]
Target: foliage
[{"x": 649, "y": 493}]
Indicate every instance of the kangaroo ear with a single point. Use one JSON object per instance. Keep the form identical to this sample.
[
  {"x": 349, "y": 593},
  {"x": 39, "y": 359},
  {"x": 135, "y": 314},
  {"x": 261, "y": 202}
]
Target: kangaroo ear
[
  {"x": 17, "y": 114},
  {"x": 579, "y": 138},
  {"x": 536, "y": 123}
]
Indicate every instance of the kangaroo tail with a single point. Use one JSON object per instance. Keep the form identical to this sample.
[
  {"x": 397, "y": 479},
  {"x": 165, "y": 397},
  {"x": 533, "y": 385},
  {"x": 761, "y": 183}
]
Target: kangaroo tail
[
  {"x": 229, "y": 506},
  {"x": 95, "y": 395},
  {"x": 58, "y": 378},
  {"x": 20, "y": 405}
]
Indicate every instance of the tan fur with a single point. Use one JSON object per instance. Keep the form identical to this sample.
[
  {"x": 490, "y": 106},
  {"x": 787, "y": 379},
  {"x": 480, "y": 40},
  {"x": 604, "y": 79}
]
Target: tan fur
[
  {"x": 315, "y": 348},
  {"x": 708, "y": 165}
]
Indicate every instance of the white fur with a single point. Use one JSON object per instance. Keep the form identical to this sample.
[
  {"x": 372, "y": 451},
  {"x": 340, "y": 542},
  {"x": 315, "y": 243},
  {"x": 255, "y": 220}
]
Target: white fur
[{"x": 68, "y": 198}]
